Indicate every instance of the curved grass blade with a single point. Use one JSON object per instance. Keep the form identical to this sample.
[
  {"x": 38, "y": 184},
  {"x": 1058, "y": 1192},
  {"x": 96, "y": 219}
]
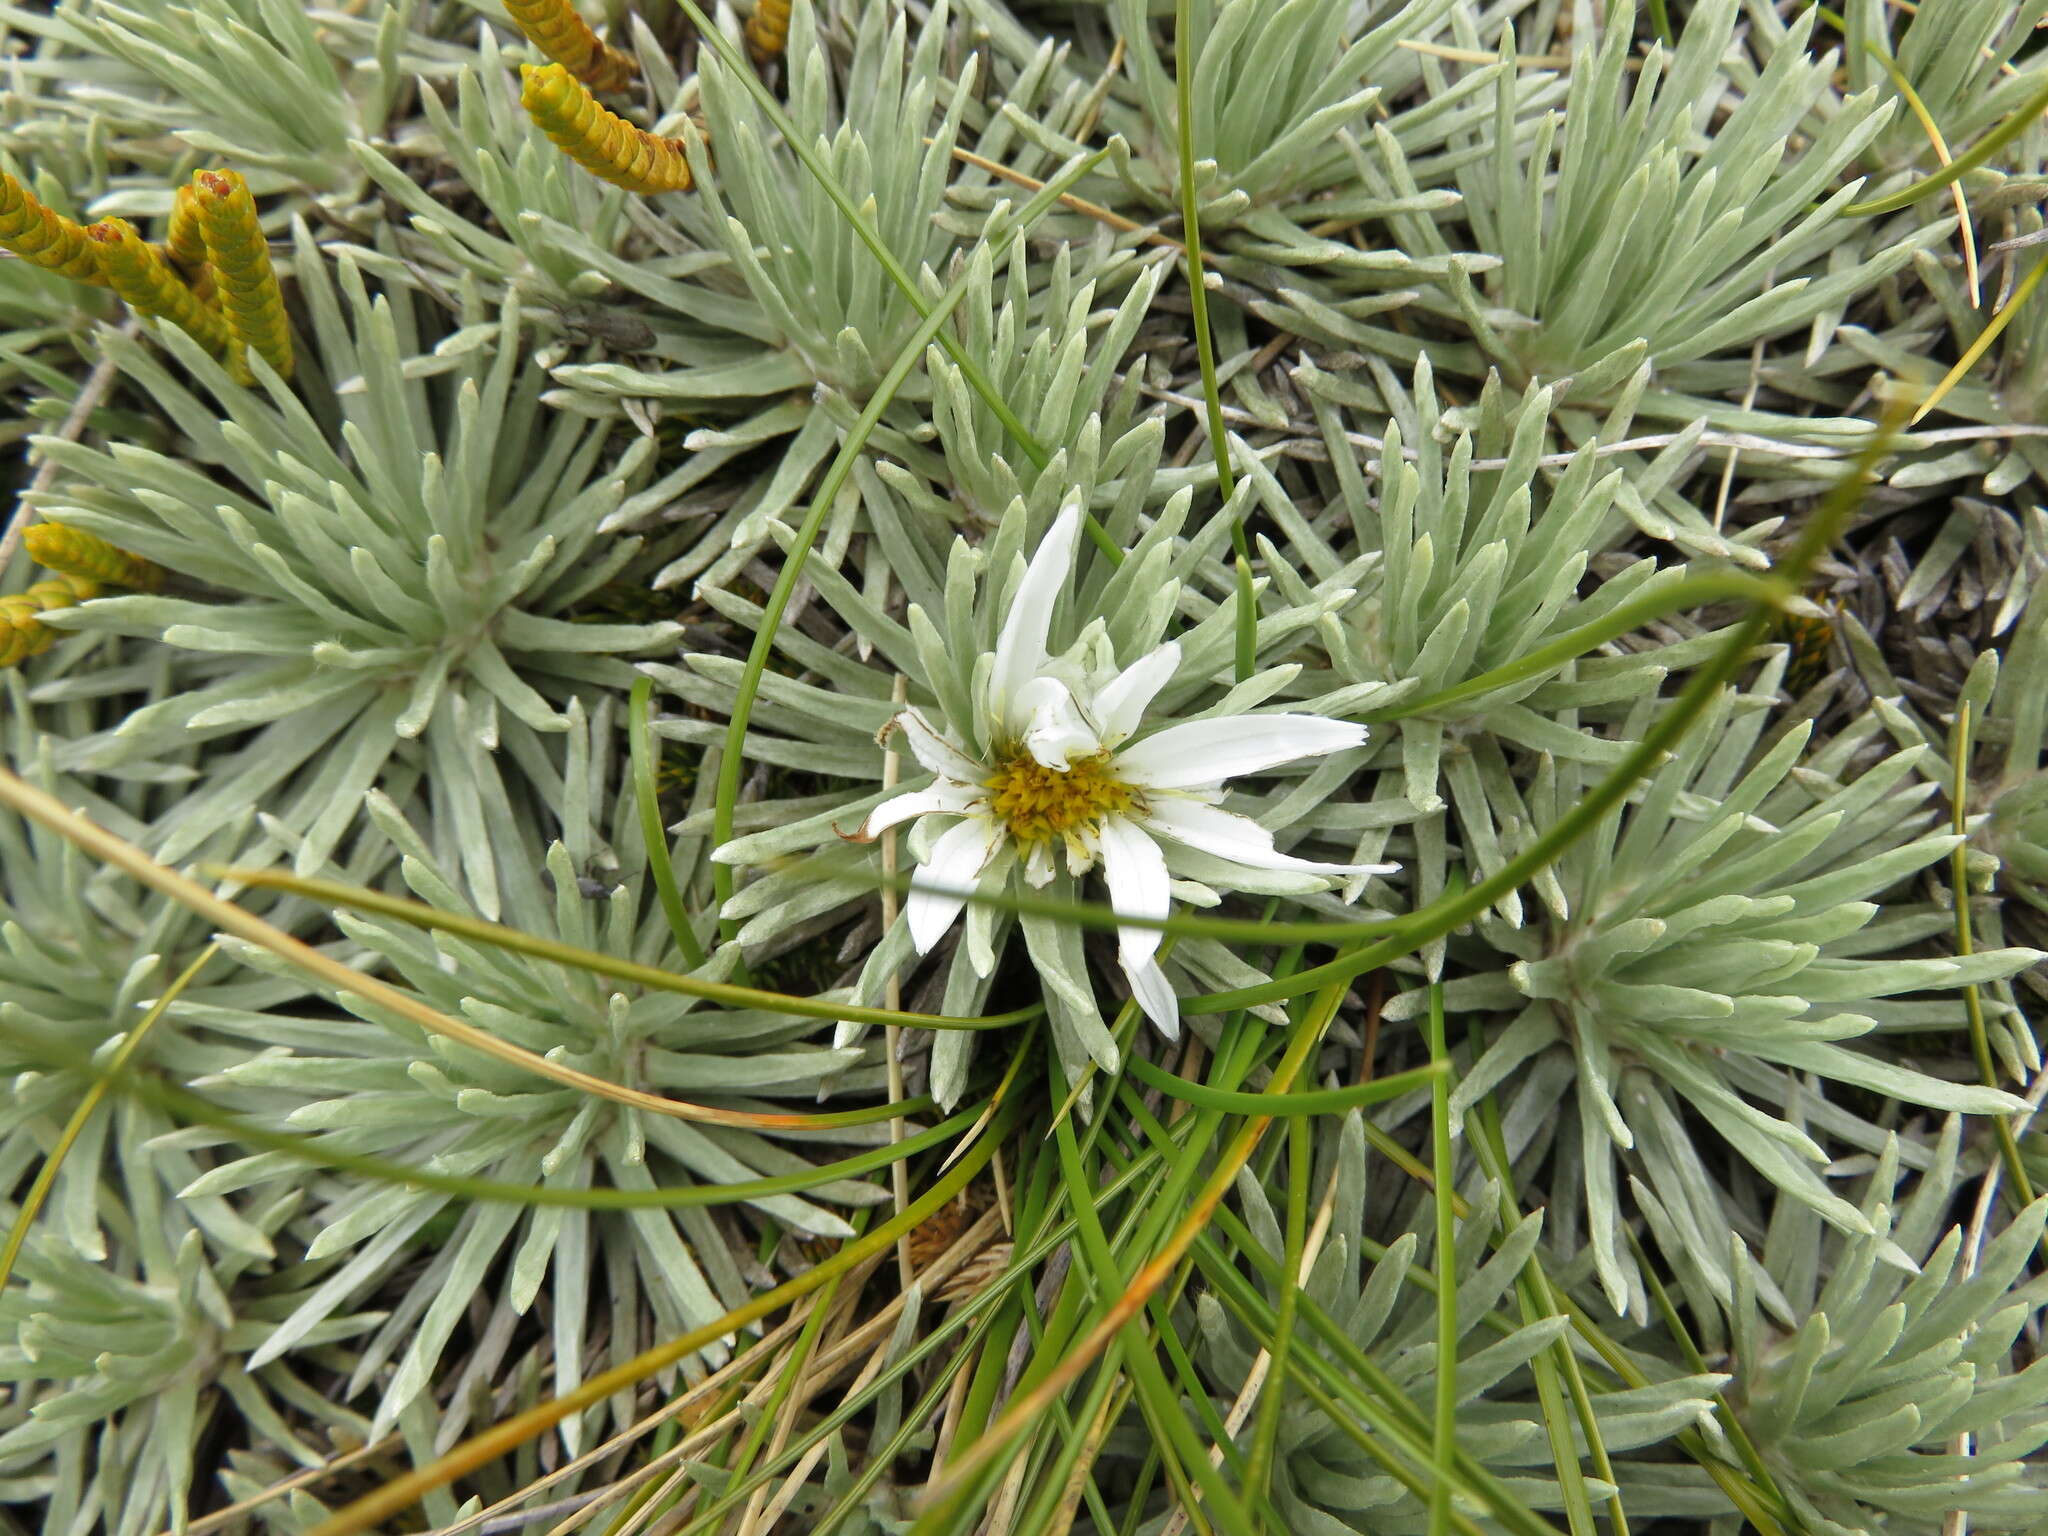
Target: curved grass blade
[
  {"x": 1445, "y": 1441},
  {"x": 482, "y": 931},
  {"x": 46, "y": 810},
  {"x": 1976, "y": 349},
  {"x": 1161, "y": 1406},
  {"x": 1245, "y": 653},
  {"x": 1687, "y": 592},
  {"x": 1149, "y": 1277},
  {"x": 194, "y": 1109},
  {"x": 1266, "y": 1428},
  {"x": 1959, "y": 878},
  {"x": 46, "y": 1176},
  {"x": 1979, "y": 153},
  {"x": 1314, "y": 1101},
  {"x": 1556, "y": 1369},
  {"x": 655, "y": 835},
  {"x": 1454, "y": 909},
  {"x": 1932, "y": 129}
]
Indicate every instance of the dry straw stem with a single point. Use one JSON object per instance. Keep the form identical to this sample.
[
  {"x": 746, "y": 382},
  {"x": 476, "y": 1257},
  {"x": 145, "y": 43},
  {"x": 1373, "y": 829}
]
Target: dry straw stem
[
  {"x": 48, "y": 811},
  {"x": 508, "y": 1435},
  {"x": 44, "y": 237},
  {"x": 601, "y": 141},
  {"x": 559, "y": 31},
  {"x": 1025, "y": 1410},
  {"x": 90, "y": 394},
  {"x": 74, "y": 552},
  {"x": 768, "y": 30},
  {"x": 859, "y": 1347},
  {"x": 150, "y": 285},
  {"x": 22, "y": 632},
  {"x": 246, "y": 283},
  {"x": 1933, "y": 131}
]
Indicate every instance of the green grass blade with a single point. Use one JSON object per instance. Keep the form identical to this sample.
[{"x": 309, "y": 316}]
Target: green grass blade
[
  {"x": 1266, "y": 1429},
  {"x": 193, "y": 1109},
  {"x": 1973, "y": 998},
  {"x": 2016, "y": 123},
  {"x": 652, "y": 831},
  {"x": 1162, "y": 1409},
  {"x": 482, "y": 931},
  {"x": 1687, "y": 592},
  {"x": 1314, "y": 1101},
  {"x": 1247, "y": 619},
  {"x": 116, "y": 1074},
  {"x": 1445, "y": 1439}
]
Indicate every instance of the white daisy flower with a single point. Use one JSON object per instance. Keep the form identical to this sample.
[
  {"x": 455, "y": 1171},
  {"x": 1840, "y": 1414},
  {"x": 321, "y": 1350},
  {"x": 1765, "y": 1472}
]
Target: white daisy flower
[{"x": 1070, "y": 770}]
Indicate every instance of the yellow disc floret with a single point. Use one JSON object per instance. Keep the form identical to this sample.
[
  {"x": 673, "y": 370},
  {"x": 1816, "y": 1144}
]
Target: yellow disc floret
[{"x": 1038, "y": 802}]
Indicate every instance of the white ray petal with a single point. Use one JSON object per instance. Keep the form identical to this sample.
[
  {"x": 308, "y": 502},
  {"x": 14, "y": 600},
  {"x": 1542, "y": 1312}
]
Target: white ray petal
[
  {"x": 935, "y": 752},
  {"x": 1228, "y": 835},
  {"x": 984, "y": 920},
  {"x": 941, "y": 884},
  {"x": 1121, "y": 703},
  {"x": 1154, "y": 994},
  {"x": 1209, "y": 751},
  {"x": 943, "y": 798},
  {"x": 1138, "y": 886},
  {"x": 1020, "y": 649},
  {"x": 1055, "y": 731}
]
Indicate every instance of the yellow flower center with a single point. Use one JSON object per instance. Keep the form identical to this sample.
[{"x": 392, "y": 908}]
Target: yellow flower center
[{"x": 1039, "y": 802}]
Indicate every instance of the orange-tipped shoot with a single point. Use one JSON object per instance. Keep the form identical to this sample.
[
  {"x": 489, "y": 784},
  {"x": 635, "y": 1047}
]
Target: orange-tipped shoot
[{"x": 251, "y": 302}]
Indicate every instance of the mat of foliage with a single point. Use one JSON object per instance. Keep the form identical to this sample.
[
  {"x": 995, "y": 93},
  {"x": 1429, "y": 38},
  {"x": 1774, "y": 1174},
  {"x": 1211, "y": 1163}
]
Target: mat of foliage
[{"x": 719, "y": 817}]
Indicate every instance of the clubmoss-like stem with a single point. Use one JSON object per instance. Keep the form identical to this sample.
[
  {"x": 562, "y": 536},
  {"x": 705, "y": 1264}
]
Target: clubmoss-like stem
[
  {"x": 184, "y": 240},
  {"x": 559, "y": 31},
  {"x": 185, "y": 243},
  {"x": 601, "y": 141},
  {"x": 22, "y": 631},
  {"x": 150, "y": 285},
  {"x": 40, "y": 235},
  {"x": 251, "y": 302},
  {"x": 768, "y": 30},
  {"x": 72, "y": 551}
]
